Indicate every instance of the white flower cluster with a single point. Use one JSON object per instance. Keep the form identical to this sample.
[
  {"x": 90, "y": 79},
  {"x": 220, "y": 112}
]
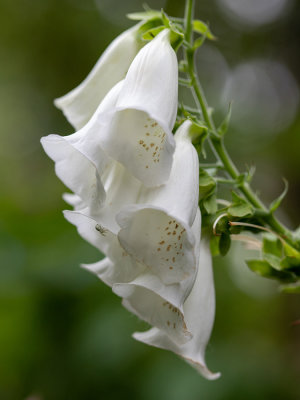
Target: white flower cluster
[{"x": 135, "y": 192}]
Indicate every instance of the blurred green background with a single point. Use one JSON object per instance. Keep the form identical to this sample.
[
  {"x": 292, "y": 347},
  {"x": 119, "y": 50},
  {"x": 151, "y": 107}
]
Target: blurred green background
[{"x": 63, "y": 334}]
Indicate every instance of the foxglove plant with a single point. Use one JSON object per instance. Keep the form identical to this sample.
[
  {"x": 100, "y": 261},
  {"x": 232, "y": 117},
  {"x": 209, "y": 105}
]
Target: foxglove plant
[{"x": 136, "y": 185}]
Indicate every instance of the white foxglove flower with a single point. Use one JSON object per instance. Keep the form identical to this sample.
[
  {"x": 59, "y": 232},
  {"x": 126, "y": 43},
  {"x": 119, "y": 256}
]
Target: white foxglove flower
[
  {"x": 157, "y": 261},
  {"x": 80, "y": 104},
  {"x": 79, "y": 159},
  {"x": 139, "y": 134},
  {"x": 160, "y": 304},
  {"x": 156, "y": 230},
  {"x": 199, "y": 312}
]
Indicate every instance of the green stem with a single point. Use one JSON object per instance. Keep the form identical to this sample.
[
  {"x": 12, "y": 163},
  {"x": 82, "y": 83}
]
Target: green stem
[{"x": 216, "y": 142}]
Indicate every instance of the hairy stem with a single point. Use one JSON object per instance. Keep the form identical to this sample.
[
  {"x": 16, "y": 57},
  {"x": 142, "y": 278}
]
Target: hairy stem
[{"x": 217, "y": 143}]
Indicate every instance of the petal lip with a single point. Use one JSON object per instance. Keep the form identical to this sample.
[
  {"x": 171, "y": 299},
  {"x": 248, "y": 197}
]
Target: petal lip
[
  {"x": 179, "y": 336},
  {"x": 127, "y": 218},
  {"x": 92, "y": 193},
  {"x": 199, "y": 311}
]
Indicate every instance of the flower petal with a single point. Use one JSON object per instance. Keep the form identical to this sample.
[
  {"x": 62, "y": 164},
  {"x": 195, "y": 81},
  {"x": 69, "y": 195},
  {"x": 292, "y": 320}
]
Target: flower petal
[
  {"x": 140, "y": 132},
  {"x": 161, "y": 305},
  {"x": 118, "y": 266},
  {"x": 79, "y": 158},
  {"x": 157, "y": 232},
  {"x": 158, "y": 240},
  {"x": 140, "y": 297},
  {"x": 80, "y": 104},
  {"x": 199, "y": 311}
]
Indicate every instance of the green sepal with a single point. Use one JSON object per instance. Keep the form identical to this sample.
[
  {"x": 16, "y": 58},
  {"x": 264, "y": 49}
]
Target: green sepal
[
  {"x": 177, "y": 36},
  {"x": 203, "y": 29},
  {"x": 245, "y": 177},
  {"x": 199, "y": 42},
  {"x": 263, "y": 268},
  {"x": 151, "y": 33},
  {"x": 198, "y": 132},
  {"x": 148, "y": 25},
  {"x": 210, "y": 204},
  {"x": 207, "y": 184},
  {"x": 224, "y": 243},
  {"x": 292, "y": 288},
  {"x": 144, "y": 15},
  {"x": 240, "y": 207},
  {"x": 276, "y": 203},
  {"x": 223, "y": 128}
]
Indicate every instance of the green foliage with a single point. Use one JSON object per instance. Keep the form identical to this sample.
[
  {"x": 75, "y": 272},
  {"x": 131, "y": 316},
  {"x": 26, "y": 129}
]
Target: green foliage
[
  {"x": 222, "y": 129},
  {"x": 151, "y": 33},
  {"x": 210, "y": 204},
  {"x": 203, "y": 29},
  {"x": 263, "y": 268},
  {"x": 144, "y": 15},
  {"x": 224, "y": 243},
  {"x": 239, "y": 207},
  {"x": 207, "y": 184},
  {"x": 276, "y": 203}
]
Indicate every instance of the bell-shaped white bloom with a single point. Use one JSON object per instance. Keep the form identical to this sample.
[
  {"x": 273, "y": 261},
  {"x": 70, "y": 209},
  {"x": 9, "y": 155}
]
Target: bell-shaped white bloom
[
  {"x": 155, "y": 248},
  {"x": 157, "y": 230},
  {"x": 160, "y": 304},
  {"x": 139, "y": 134},
  {"x": 199, "y": 311},
  {"x": 162, "y": 232},
  {"x": 80, "y": 104},
  {"x": 80, "y": 161}
]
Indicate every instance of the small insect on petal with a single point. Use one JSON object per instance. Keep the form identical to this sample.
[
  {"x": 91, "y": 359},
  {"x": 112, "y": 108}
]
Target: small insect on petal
[{"x": 101, "y": 229}]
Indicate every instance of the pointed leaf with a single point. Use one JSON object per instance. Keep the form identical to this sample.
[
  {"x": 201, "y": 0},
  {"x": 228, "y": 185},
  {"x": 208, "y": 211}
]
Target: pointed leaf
[
  {"x": 144, "y": 15},
  {"x": 224, "y": 125},
  {"x": 240, "y": 207},
  {"x": 203, "y": 29},
  {"x": 224, "y": 243},
  {"x": 263, "y": 268},
  {"x": 276, "y": 203},
  {"x": 210, "y": 204},
  {"x": 206, "y": 184}
]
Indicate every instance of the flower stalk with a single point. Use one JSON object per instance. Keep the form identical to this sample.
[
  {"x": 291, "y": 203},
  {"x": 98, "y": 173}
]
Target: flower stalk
[{"x": 216, "y": 141}]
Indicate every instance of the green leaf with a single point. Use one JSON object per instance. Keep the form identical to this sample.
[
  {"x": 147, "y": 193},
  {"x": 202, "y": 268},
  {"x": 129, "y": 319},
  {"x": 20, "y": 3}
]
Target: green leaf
[
  {"x": 272, "y": 245},
  {"x": 206, "y": 184},
  {"x": 166, "y": 19},
  {"x": 151, "y": 33},
  {"x": 210, "y": 204},
  {"x": 272, "y": 251},
  {"x": 224, "y": 125},
  {"x": 263, "y": 268},
  {"x": 214, "y": 246},
  {"x": 144, "y": 15},
  {"x": 198, "y": 133},
  {"x": 291, "y": 288},
  {"x": 276, "y": 203},
  {"x": 239, "y": 207},
  {"x": 199, "y": 42},
  {"x": 203, "y": 29},
  {"x": 224, "y": 243}
]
